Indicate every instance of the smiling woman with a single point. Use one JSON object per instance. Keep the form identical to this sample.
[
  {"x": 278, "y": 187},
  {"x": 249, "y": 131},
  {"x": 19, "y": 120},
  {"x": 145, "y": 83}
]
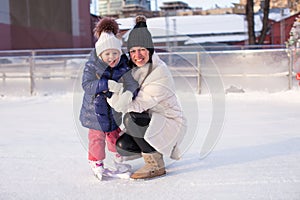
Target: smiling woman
[{"x": 154, "y": 121}]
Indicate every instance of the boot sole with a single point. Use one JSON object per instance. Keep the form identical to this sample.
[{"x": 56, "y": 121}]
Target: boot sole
[{"x": 148, "y": 179}]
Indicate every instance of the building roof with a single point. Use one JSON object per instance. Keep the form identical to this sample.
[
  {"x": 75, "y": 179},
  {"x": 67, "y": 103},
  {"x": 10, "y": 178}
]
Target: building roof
[
  {"x": 174, "y": 5},
  {"x": 200, "y": 28}
]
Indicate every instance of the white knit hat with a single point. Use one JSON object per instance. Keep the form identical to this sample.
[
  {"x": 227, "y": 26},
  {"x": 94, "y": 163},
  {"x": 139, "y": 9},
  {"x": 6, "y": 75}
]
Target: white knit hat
[{"x": 108, "y": 41}]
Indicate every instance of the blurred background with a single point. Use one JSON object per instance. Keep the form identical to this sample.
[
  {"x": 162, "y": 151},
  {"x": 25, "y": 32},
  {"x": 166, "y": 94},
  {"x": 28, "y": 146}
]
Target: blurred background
[
  {"x": 39, "y": 24},
  {"x": 248, "y": 44}
]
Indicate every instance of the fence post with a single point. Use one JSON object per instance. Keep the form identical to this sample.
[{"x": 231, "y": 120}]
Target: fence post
[
  {"x": 291, "y": 63},
  {"x": 3, "y": 76},
  {"x": 199, "y": 72},
  {"x": 31, "y": 72}
]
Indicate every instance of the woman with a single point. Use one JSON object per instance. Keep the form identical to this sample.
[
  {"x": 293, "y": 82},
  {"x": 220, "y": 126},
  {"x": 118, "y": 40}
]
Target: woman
[{"x": 154, "y": 120}]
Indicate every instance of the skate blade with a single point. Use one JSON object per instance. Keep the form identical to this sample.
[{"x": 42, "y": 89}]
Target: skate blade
[
  {"x": 124, "y": 170},
  {"x": 99, "y": 177}
]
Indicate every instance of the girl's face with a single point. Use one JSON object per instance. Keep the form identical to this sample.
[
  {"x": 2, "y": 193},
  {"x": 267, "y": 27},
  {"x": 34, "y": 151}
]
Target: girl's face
[
  {"x": 111, "y": 57},
  {"x": 139, "y": 56}
]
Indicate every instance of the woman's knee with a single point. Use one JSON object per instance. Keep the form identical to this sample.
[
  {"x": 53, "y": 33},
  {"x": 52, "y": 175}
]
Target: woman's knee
[
  {"x": 123, "y": 141},
  {"x": 126, "y": 146}
]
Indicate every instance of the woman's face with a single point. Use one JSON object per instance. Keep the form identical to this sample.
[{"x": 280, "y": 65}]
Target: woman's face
[{"x": 139, "y": 56}]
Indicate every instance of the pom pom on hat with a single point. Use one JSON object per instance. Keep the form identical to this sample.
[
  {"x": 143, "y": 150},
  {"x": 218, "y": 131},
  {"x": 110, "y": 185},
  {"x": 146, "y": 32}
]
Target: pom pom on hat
[
  {"x": 106, "y": 24},
  {"x": 140, "y": 18},
  {"x": 140, "y": 36}
]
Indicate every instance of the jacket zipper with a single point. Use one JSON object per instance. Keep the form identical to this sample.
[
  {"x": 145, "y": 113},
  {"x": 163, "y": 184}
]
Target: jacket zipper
[{"x": 108, "y": 106}]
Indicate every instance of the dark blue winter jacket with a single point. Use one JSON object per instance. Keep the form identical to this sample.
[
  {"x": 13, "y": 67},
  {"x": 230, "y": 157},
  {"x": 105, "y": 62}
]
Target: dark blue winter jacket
[{"x": 95, "y": 112}]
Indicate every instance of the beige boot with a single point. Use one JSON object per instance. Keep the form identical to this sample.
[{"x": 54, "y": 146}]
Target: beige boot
[{"x": 154, "y": 166}]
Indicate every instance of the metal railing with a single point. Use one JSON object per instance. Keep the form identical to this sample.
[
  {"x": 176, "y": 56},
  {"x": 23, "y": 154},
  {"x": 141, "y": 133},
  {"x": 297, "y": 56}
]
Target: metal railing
[{"x": 234, "y": 67}]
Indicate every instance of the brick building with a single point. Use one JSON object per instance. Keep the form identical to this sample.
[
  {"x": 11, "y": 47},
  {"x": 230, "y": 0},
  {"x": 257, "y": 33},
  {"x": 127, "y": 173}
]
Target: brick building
[{"x": 32, "y": 24}]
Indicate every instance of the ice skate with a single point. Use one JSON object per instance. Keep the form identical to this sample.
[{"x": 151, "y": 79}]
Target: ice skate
[
  {"x": 120, "y": 166},
  {"x": 97, "y": 168}
]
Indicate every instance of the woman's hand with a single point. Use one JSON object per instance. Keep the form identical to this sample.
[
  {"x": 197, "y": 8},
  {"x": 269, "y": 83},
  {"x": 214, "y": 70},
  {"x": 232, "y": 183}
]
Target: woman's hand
[
  {"x": 120, "y": 101},
  {"x": 114, "y": 86}
]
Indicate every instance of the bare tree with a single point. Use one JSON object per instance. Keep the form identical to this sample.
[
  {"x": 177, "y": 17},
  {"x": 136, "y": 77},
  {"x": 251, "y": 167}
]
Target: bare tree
[
  {"x": 265, "y": 22},
  {"x": 250, "y": 20}
]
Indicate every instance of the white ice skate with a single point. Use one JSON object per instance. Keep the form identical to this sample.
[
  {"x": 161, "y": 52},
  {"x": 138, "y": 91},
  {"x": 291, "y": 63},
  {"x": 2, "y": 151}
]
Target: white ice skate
[{"x": 97, "y": 168}]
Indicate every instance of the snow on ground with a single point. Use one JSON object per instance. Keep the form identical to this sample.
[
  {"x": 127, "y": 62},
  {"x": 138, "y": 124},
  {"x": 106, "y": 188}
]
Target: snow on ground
[{"x": 257, "y": 156}]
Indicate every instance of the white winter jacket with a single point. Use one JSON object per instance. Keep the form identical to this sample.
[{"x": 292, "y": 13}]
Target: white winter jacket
[{"x": 157, "y": 94}]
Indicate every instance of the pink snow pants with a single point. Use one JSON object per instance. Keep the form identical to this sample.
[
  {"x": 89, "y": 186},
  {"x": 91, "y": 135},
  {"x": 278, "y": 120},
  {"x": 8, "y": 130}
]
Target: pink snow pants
[{"x": 97, "y": 143}]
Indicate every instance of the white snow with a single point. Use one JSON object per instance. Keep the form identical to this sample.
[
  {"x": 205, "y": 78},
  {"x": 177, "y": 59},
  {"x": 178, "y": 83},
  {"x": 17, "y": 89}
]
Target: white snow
[
  {"x": 43, "y": 152},
  {"x": 196, "y": 24},
  {"x": 222, "y": 38},
  {"x": 201, "y": 28}
]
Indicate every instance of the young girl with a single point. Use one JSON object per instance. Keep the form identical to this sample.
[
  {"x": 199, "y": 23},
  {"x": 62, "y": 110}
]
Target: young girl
[{"x": 105, "y": 66}]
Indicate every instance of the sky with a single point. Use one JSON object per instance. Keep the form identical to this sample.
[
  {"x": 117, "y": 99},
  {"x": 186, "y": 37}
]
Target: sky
[{"x": 205, "y": 4}]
